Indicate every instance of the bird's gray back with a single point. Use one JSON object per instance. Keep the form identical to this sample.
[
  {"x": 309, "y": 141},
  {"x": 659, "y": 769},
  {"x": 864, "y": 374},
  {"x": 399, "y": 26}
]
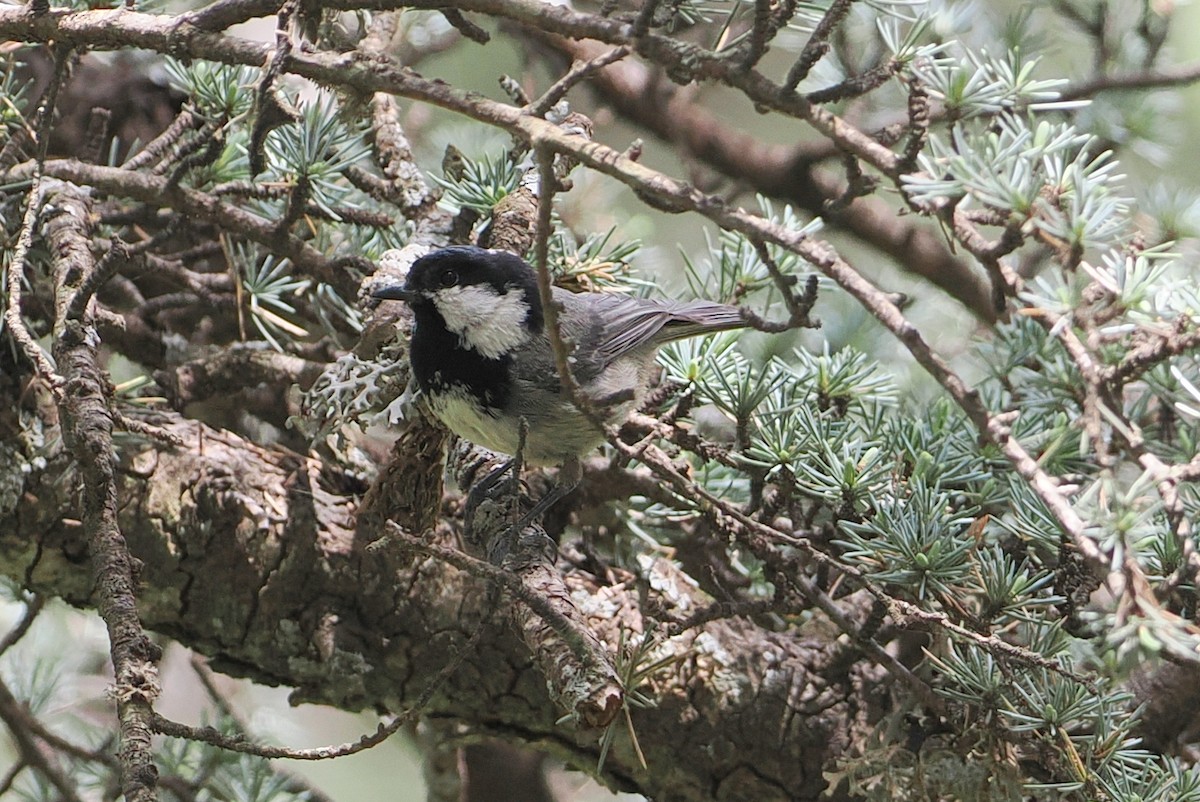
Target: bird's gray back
[
  {"x": 615, "y": 338},
  {"x": 608, "y": 326}
]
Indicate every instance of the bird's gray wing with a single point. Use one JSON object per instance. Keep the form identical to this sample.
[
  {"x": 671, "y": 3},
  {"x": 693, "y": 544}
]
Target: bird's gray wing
[{"x": 608, "y": 325}]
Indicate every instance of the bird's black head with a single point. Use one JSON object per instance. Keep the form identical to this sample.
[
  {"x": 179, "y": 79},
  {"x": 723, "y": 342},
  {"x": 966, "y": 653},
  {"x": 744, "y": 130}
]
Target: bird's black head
[
  {"x": 464, "y": 266},
  {"x": 488, "y": 299}
]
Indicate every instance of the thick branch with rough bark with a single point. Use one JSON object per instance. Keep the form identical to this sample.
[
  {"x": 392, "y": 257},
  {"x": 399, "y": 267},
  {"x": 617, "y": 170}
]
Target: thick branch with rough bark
[{"x": 250, "y": 557}]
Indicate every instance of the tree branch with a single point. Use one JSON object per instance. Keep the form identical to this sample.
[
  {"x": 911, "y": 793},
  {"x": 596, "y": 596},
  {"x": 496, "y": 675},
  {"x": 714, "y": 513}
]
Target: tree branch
[
  {"x": 18, "y": 719},
  {"x": 789, "y": 173},
  {"x": 368, "y": 627},
  {"x": 153, "y": 189},
  {"x": 87, "y": 430}
]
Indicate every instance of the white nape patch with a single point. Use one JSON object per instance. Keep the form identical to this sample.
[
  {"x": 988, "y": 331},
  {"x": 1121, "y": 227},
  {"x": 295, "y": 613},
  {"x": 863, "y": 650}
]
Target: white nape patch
[{"x": 484, "y": 320}]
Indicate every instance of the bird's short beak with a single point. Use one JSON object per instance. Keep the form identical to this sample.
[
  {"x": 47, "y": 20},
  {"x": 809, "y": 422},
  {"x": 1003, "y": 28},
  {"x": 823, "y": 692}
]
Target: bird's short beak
[{"x": 395, "y": 292}]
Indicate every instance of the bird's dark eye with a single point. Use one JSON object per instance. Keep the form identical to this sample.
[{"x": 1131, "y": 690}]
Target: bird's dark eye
[{"x": 448, "y": 278}]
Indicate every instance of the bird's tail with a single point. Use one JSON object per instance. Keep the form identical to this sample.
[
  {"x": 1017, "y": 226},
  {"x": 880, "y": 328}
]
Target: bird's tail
[{"x": 700, "y": 317}]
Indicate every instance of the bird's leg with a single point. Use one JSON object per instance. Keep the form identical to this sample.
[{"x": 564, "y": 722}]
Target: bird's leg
[
  {"x": 518, "y": 465},
  {"x": 569, "y": 477},
  {"x": 483, "y": 488}
]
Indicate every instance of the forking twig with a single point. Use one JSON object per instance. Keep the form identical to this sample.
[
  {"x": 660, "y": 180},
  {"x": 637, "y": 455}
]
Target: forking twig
[
  {"x": 547, "y": 185},
  {"x": 579, "y": 71},
  {"x": 16, "y": 269}
]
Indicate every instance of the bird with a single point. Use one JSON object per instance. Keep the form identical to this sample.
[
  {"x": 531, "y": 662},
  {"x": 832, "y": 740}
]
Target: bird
[{"x": 481, "y": 355}]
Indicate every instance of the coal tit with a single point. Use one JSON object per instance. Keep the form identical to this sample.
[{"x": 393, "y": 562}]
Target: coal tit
[{"x": 481, "y": 355}]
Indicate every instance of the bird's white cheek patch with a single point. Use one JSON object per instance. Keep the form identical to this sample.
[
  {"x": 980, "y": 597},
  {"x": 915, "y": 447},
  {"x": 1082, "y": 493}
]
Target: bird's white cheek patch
[{"x": 485, "y": 321}]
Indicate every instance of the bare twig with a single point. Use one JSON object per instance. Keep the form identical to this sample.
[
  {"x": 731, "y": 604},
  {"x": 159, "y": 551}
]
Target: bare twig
[
  {"x": 818, "y": 43},
  {"x": 799, "y": 304},
  {"x": 10, "y": 777},
  {"x": 14, "y": 280},
  {"x": 792, "y": 174},
  {"x": 238, "y": 743},
  {"x": 87, "y": 430},
  {"x": 117, "y": 255},
  {"x": 1164, "y": 77},
  {"x": 16, "y": 270},
  {"x": 177, "y": 155},
  {"x": 33, "y": 606},
  {"x": 166, "y": 34},
  {"x": 1151, "y": 352},
  {"x": 156, "y": 148},
  {"x": 580, "y": 71},
  {"x": 403, "y": 183},
  {"x": 224, "y": 13},
  {"x": 645, "y": 18},
  {"x": 857, "y": 85},
  {"x": 760, "y": 34},
  {"x": 270, "y": 110},
  {"x": 464, "y": 26},
  {"x": 157, "y": 190},
  {"x": 14, "y": 714}
]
